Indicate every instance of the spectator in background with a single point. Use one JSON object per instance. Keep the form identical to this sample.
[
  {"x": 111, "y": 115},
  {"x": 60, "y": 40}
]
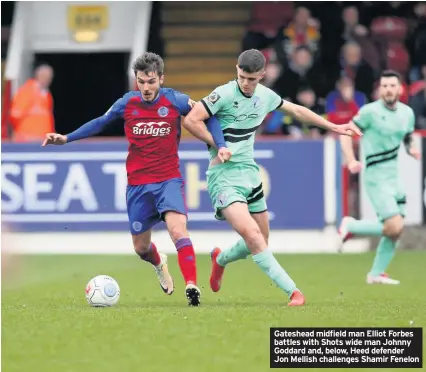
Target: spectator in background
[
  {"x": 417, "y": 100},
  {"x": 342, "y": 22},
  {"x": 351, "y": 25},
  {"x": 358, "y": 33},
  {"x": 302, "y": 31},
  {"x": 272, "y": 72},
  {"x": 307, "y": 98},
  {"x": 301, "y": 71},
  {"x": 267, "y": 17},
  {"x": 353, "y": 67},
  {"x": 343, "y": 103},
  {"x": 32, "y": 107},
  {"x": 417, "y": 42},
  {"x": 403, "y": 9}
]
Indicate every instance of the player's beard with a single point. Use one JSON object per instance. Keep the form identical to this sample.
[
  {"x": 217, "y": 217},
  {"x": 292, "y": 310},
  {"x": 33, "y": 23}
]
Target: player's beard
[
  {"x": 152, "y": 96},
  {"x": 390, "y": 101}
]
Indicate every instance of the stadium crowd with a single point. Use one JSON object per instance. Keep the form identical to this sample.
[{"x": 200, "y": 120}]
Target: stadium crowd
[{"x": 327, "y": 56}]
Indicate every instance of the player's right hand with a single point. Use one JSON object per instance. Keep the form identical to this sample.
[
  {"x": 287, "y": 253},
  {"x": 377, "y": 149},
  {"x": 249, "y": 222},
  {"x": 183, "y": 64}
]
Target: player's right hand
[
  {"x": 348, "y": 129},
  {"x": 54, "y": 139},
  {"x": 224, "y": 154},
  {"x": 354, "y": 166}
]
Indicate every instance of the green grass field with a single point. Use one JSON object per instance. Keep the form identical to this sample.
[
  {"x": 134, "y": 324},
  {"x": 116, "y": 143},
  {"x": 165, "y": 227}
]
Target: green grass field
[{"x": 47, "y": 325}]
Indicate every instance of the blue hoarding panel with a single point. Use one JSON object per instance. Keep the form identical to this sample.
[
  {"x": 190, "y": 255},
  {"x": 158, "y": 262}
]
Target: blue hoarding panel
[{"x": 81, "y": 186}]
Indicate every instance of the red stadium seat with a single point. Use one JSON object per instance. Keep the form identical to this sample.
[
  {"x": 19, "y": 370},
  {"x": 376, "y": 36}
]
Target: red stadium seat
[
  {"x": 397, "y": 58},
  {"x": 268, "y": 54},
  {"x": 269, "y": 16},
  {"x": 389, "y": 29},
  {"x": 417, "y": 87}
]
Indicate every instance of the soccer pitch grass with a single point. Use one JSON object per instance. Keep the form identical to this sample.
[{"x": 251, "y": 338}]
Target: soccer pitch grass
[{"x": 48, "y": 326}]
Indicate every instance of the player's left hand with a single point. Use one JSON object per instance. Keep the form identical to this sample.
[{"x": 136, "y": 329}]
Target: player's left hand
[
  {"x": 415, "y": 153},
  {"x": 348, "y": 129}
]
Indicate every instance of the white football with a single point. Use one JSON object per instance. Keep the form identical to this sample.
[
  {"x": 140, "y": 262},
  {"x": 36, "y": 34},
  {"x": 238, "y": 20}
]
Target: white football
[{"x": 102, "y": 291}]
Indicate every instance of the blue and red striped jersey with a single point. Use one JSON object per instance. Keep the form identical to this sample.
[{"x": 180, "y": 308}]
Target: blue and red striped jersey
[{"x": 153, "y": 130}]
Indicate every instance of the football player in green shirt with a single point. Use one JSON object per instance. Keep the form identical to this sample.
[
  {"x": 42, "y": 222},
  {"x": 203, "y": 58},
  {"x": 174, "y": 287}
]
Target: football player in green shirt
[
  {"x": 386, "y": 123},
  {"x": 234, "y": 184}
]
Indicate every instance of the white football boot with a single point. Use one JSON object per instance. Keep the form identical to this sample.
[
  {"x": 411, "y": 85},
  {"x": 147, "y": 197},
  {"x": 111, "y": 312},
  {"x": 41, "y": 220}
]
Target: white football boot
[
  {"x": 345, "y": 235},
  {"x": 164, "y": 277},
  {"x": 381, "y": 279}
]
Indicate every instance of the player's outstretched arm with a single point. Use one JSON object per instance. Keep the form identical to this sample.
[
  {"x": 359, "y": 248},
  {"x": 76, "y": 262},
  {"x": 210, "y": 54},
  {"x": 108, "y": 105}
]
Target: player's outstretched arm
[
  {"x": 194, "y": 123},
  {"x": 309, "y": 117},
  {"x": 89, "y": 129}
]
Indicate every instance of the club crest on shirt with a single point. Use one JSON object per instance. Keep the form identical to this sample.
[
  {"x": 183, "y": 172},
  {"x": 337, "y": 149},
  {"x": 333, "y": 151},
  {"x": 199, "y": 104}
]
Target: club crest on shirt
[
  {"x": 213, "y": 98},
  {"x": 163, "y": 111},
  {"x": 222, "y": 198},
  {"x": 256, "y": 101}
]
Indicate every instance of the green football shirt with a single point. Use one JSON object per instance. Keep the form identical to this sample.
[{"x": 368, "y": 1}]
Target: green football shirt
[
  {"x": 384, "y": 129},
  {"x": 240, "y": 116}
]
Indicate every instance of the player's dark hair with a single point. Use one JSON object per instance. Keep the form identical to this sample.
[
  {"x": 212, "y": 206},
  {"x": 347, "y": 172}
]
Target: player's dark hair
[
  {"x": 390, "y": 73},
  {"x": 251, "y": 61},
  {"x": 149, "y": 62}
]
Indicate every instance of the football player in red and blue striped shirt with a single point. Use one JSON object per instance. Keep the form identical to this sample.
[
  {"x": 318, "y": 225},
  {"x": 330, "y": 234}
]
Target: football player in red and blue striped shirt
[{"x": 155, "y": 188}]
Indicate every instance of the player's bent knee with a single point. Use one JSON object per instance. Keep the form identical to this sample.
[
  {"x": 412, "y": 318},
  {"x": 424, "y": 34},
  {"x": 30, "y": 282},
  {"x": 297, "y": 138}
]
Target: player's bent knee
[
  {"x": 393, "y": 227},
  {"x": 394, "y": 233},
  {"x": 141, "y": 247},
  {"x": 253, "y": 238},
  {"x": 141, "y": 243}
]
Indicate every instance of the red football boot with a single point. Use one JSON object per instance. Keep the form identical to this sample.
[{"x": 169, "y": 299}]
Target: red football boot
[
  {"x": 297, "y": 299},
  {"x": 217, "y": 271}
]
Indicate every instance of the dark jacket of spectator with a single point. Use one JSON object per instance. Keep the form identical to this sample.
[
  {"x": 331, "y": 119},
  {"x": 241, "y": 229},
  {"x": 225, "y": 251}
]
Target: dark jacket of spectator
[
  {"x": 300, "y": 72},
  {"x": 354, "y": 67},
  {"x": 417, "y": 43}
]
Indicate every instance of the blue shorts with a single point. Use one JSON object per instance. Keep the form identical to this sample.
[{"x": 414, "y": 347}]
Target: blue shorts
[{"x": 147, "y": 204}]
